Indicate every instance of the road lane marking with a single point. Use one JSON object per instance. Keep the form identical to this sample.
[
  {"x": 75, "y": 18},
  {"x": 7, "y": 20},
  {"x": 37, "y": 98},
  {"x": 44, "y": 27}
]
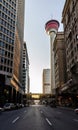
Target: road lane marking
[
  {"x": 76, "y": 120},
  {"x": 48, "y": 122},
  {"x": 15, "y": 120}
]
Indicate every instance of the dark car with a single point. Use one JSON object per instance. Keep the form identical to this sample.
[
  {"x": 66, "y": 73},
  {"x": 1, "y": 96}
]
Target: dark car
[
  {"x": 53, "y": 103},
  {"x": 17, "y": 106}
]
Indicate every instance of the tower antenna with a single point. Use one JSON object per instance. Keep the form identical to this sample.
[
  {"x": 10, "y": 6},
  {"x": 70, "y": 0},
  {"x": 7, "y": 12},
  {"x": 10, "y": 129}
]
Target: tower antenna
[{"x": 51, "y": 16}]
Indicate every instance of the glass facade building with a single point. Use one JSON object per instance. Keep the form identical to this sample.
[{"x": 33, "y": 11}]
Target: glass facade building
[
  {"x": 11, "y": 46},
  {"x": 7, "y": 35}
]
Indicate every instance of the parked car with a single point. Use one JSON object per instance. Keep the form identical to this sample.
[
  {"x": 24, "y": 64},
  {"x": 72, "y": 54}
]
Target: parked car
[
  {"x": 1, "y": 109},
  {"x": 22, "y": 105},
  {"x": 53, "y": 103},
  {"x": 76, "y": 110},
  {"x": 9, "y": 106},
  {"x": 17, "y": 106}
]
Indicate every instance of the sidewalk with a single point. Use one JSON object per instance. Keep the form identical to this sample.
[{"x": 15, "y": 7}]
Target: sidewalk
[{"x": 66, "y": 108}]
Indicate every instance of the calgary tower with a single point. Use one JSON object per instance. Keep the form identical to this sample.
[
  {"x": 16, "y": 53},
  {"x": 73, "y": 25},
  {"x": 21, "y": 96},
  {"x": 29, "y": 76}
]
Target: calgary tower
[{"x": 51, "y": 28}]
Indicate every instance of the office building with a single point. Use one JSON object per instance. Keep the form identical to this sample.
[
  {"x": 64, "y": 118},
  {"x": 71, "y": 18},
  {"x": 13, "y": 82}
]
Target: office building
[
  {"x": 59, "y": 61},
  {"x": 18, "y": 52},
  {"x": 70, "y": 23},
  {"x": 7, "y": 42},
  {"x": 25, "y": 70},
  {"x": 11, "y": 44},
  {"x": 20, "y": 33},
  {"x": 46, "y": 81}
]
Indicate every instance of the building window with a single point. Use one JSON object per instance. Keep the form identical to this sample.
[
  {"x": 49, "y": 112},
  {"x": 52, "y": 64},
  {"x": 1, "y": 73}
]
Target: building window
[
  {"x": 71, "y": 46},
  {"x": 6, "y": 53},
  {"x": 72, "y": 54},
  {"x": 1, "y": 67},
  {"x": 77, "y": 46},
  {"x": 2, "y": 60},
  {"x": 70, "y": 36},
  {"x": 10, "y": 70},
  {"x": 75, "y": 49},
  {"x": 68, "y": 15},
  {"x": 4, "y": 68},
  {"x": 5, "y": 61}
]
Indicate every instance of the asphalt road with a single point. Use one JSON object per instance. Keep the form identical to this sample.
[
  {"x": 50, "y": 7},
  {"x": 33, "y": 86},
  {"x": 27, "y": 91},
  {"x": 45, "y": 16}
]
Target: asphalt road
[{"x": 39, "y": 118}]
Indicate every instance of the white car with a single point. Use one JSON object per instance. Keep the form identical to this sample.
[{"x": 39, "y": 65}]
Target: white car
[
  {"x": 9, "y": 106},
  {"x": 1, "y": 109},
  {"x": 76, "y": 110}
]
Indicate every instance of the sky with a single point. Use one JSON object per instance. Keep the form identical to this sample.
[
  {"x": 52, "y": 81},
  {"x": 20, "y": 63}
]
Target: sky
[{"x": 37, "y": 13}]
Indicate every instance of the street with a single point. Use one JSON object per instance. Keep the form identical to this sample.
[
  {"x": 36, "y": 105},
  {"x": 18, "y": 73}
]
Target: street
[{"x": 39, "y": 117}]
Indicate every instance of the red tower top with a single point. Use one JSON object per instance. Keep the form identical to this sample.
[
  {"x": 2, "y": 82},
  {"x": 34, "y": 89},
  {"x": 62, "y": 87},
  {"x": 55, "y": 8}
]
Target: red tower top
[{"x": 51, "y": 25}]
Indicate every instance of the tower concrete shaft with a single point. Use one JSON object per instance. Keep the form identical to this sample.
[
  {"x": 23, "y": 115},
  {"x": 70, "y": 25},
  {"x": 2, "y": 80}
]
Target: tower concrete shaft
[{"x": 51, "y": 28}]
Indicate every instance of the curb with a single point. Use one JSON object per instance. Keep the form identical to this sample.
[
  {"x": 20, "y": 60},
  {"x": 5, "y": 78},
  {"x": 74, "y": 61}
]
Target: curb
[{"x": 66, "y": 108}]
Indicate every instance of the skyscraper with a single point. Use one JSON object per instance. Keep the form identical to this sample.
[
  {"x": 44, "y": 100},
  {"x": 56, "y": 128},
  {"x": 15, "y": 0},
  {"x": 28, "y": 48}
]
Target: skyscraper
[
  {"x": 46, "y": 81},
  {"x": 59, "y": 61},
  {"x": 7, "y": 36},
  {"x": 25, "y": 70},
  {"x": 18, "y": 53},
  {"x": 70, "y": 24},
  {"x": 11, "y": 45},
  {"x": 20, "y": 34},
  {"x": 7, "y": 42}
]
